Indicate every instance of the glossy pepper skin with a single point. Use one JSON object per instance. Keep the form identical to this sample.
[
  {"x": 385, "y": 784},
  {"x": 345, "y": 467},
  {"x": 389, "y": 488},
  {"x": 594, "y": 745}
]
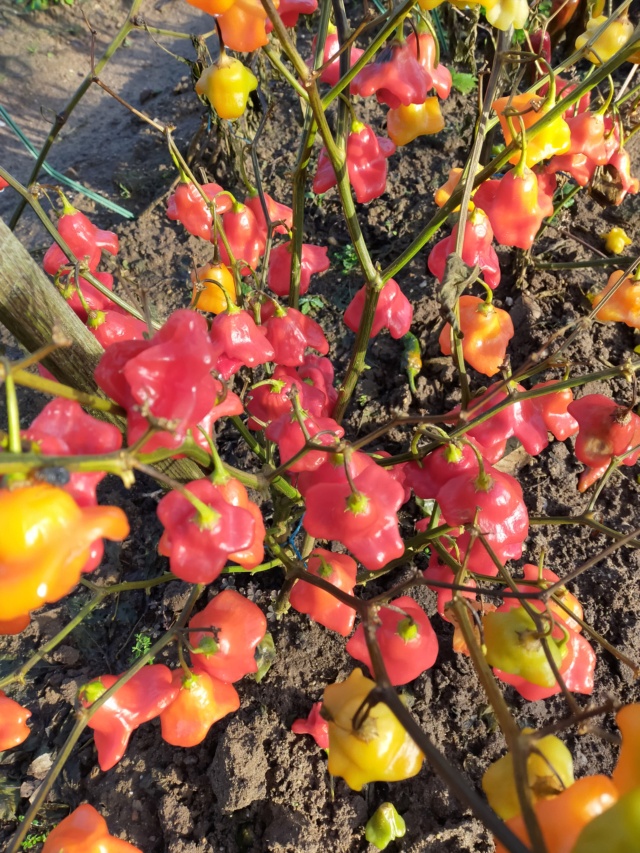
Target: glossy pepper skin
[
  {"x": 92, "y": 298},
  {"x": 85, "y": 831},
  {"x": 379, "y": 750},
  {"x": 366, "y": 164},
  {"x": 199, "y": 547},
  {"x": 616, "y": 35},
  {"x": 384, "y": 826},
  {"x": 503, "y": 14},
  {"x": 549, "y": 772},
  {"x": 314, "y": 259},
  {"x": 408, "y": 643},
  {"x": 83, "y": 238},
  {"x": 563, "y": 817},
  {"x": 365, "y": 521},
  {"x": 487, "y": 331},
  {"x": 143, "y": 697},
  {"x": 46, "y": 543},
  {"x": 331, "y": 74},
  {"x": 626, "y": 774},
  {"x": 615, "y": 240},
  {"x": 111, "y": 327},
  {"x": 396, "y": 77},
  {"x": 245, "y": 238},
  {"x": 476, "y": 248},
  {"x": 212, "y": 7},
  {"x": 227, "y": 86},
  {"x": 238, "y": 342},
  {"x": 314, "y": 725},
  {"x": 244, "y": 26},
  {"x": 290, "y": 332},
  {"x": 605, "y": 429},
  {"x": 13, "y": 723},
  {"x": 234, "y": 493},
  {"x": 404, "y": 124},
  {"x": 187, "y": 206},
  {"x": 337, "y": 569},
  {"x": 424, "y": 45},
  {"x": 281, "y": 213},
  {"x": 201, "y": 702},
  {"x": 429, "y": 475},
  {"x": 624, "y": 305},
  {"x": 226, "y": 650},
  {"x": 287, "y": 433},
  {"x": 513, "y": 206},
  {"x": 217, "y": 285},
  {"x": 393, "y": 311},
  {"x": 617, "y": 830},
  {"x": 555, "y": 138}
]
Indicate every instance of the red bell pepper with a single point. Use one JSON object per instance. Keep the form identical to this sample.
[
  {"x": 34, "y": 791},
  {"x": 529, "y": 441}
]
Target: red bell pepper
[
  {"x": 199, "y": 544},
  {"x": 114, "y": 326},
  {"x": 408, "y": 644},
  {"x": 395, "y": 77},
  {"x": 429, "y": 475},
  {"x": 494, "y": 502},
  {"x": 314, "y": 259},
  {"x": 229, "y": 629},
  {"x": 393, "y": 311},
  {"x": 365, "y": 521},
  {"x": 187, "y": 206},
  {"x": 82, "y": 236},
  {"x": 605, "y": 429},
  {"x": 277, "y": 213},
  {"x": 13, "y": 722},
  {"x": 287, "y": 433},
  {"x": 366, "y": 164},
  {"x": 245, "y": 236},
  {"x": 238, "y": 342},
  {"x": 290, "y": 332},
  {"x": 201, "y": 702},
  {"x": 314, "y": 725},
  {"x": 337, "y": 569},
  {"x": 476, "y": 249},
  {"x": 142, "y": 698}
]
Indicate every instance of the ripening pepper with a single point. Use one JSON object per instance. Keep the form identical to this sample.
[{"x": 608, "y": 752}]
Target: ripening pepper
[
  {"x": 536, "y": 579},
  {"x": 244, "y": 26},
  {"x": 562, "y": 818},
  {"x": 244, "y": 235},
  {"x": 199, "y": 542},
  {"x": 615, "y": 240},
  {"x": 365, "y": 521},
  {"x": 142, "y": 698},
  {"x": 366, "y": 164},
  {"x": 85, "y": 831},
  {"x": 201, "y": 701},
  {"x": 444, "y": 193},
  {"x": 46, "y": 542},
  {"x": 555, "y": 138},
  {"x": 13, "y": 722},
  {"x": 549, "y": 772},
  {"x": 395, "y": 76},
  {"x": 212, "y": 7},
  {"x": 393, "y": 311},
  {"x": 577, "y": 671},
  {"x": 314, "y": 259},
  {"x": 624, "y": 305},
  {"x": 476, "y": 248},
  {"x": 515, "y": 206},
  {"x": 507, "y": 13},
  {"x": 384, "y": 826},
  {"x": 238, "y": 342},
  {"x": 615, "y": 36},
  {"x": 338, "y": 570},
  {"x": 234, "y": 493},
  {"x": 331, "y": 73},
  {"x": 487, "y": 331},
  {"x": 314, "y": 725},
  {"x": 512, "y": 644},
  {"x": 227, "y": 86},
  {"x": 406, "y": 123},
  {"x": 605, "y": 429},
  {"x": 407, "y": 642},
  {"x": 411, "y": 359},
  {"x": 588, "y": 137},
  {"x": 617, "y": 830},
  {"x": 213, "y": 285},
  {"x": 187, "y": 206},
  {"x": 378, "y": 749},
  {"x": 626, "y": 774},
  {"x": 229, "y": 629}
]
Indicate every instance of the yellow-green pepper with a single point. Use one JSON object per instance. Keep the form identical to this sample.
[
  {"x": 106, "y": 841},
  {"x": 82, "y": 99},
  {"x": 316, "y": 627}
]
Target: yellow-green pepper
[
  {"x": 227, "y": 85},
  {"x": 609, "y": 42}
]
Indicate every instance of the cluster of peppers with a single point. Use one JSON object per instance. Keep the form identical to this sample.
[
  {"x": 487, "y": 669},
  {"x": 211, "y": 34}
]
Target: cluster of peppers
[{"x": 592, "y": 814}]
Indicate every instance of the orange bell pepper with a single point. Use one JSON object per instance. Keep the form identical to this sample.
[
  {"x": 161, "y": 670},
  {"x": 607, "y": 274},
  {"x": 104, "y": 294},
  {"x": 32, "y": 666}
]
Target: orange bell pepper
[
  {"x": 624, "y": 305},
  {"x": 218, "y": 284},
  {"x": 85, "y": 831},
  {"x": 487, "y": 330},
  {"x": 404, "y": 124},
  {"x": 244, "y": 25},
  {"x": 13, "y": 726},
  {"x": 201, "y": 702}
]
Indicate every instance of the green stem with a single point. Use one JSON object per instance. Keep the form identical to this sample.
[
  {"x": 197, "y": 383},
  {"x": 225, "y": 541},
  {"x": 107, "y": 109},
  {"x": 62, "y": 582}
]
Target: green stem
[{"x": 57, "y": 389}]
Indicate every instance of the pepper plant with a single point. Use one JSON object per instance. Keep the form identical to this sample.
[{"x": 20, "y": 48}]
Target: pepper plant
[{"x": 321, "y": 508}]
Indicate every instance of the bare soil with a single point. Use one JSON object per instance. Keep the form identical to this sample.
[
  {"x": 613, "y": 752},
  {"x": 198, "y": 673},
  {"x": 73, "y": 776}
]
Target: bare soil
[{"x": 252, "y": 785}]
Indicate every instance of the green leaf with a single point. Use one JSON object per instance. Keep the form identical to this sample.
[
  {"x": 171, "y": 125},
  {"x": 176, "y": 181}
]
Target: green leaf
[{"x": 463, "y": 83}]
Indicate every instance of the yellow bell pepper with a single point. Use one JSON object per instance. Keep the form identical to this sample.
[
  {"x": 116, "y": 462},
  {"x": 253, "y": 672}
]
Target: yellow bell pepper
[
  {"x": 379, "y": 750},
  {"x": 227, "y": 85},
  {"x": 215, "y": 285},
  {"x": 503, "y": 14},
  {"x": 555, "y": 138},
  {"x": 609, "y": 42},
  {"x": 549, "y": 772},
  {"x": 404, "y": 124},
  {"x": 615, "y": 240}
]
